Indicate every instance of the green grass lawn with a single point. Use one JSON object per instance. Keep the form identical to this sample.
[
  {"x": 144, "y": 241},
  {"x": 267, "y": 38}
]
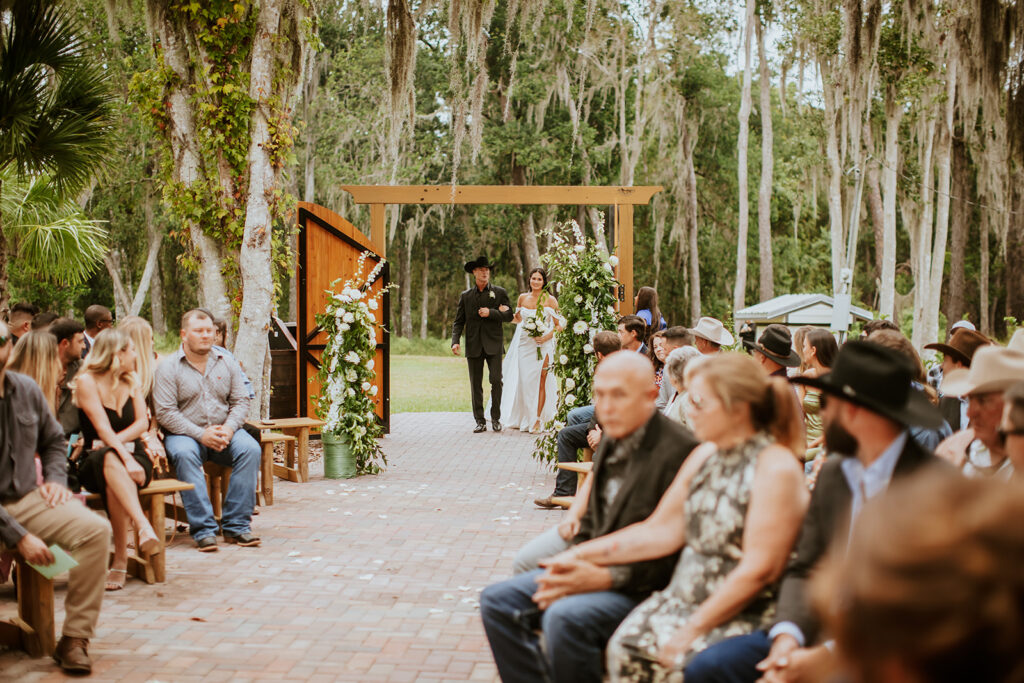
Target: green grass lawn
[{"x": 424, "y": 384}]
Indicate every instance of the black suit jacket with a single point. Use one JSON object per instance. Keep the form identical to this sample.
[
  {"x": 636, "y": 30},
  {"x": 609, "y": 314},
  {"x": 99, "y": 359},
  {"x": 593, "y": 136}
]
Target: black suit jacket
[
  {"x": 648, "y": 475},
  {"x": 950, "y": 407},
  {"x": 483, "y": 335},
  {"x": 828, "y": 517}
]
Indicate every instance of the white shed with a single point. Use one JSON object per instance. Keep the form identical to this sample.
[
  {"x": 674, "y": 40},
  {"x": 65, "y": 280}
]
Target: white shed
[{"x": 796, "y": 310}]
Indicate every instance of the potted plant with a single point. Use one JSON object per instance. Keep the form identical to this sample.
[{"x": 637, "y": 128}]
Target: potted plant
[{"x": 346, "y": 401}]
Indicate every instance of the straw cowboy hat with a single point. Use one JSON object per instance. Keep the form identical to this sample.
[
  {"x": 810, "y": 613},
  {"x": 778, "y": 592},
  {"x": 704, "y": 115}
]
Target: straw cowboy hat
[
  {"x": 994, "y": 368},
  {"x": 1017, "y": 341},
  {"x": 713, "y": 331},
  {"x": 480, "y": 262},
  {"x": 881, "y": 380},
  {"x": 962, "y": 345},
  {"x": 776, "y": 343}
]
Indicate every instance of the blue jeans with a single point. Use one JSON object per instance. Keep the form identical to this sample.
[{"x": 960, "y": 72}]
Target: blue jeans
[
  {"x": 733, "y": 660},
  {"x": 243, "y": 457},
  {"x": 576, "y": 630},
  {"x": 579, "y": 415}
]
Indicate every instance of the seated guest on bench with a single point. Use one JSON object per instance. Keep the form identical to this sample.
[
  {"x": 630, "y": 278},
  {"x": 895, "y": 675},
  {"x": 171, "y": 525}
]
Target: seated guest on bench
[
  {"x": 579, "y": 604},
  {"x": 113, "y": 462},
  {"x": 141, "y": 333},
  {"x": 70, "y": 336},
  {"x": 201, "y": 403},
  {"x": 576, "y": 434},
  {"x": 734, "y": 510},
  {"x": 33, "y": 517}
]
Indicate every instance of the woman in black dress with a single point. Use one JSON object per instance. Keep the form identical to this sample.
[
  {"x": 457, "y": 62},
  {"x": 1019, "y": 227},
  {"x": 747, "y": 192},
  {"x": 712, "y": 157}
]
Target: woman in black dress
[{"x": 114, "y": 462}]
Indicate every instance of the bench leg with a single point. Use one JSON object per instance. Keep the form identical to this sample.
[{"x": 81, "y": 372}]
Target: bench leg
[
  {"x": 35, "y": 607},
  {"x": 266, "y": 488},
  {"x": 303, "y": 454},
  {"x": 157, "y": 518}
]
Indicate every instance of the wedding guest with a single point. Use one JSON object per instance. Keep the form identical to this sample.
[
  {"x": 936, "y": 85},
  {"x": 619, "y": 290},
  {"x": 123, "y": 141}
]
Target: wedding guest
[
  {"x": 675, "y": 371},
  {"x": 799, "y": 334},
  {"x": 42, "y": 321},
  {"x": 931, "y": 587},
  {"x": 675, "y": 338},
  {"x": 957, "y": 354},
  {"x": 576, "y": 434},
  {"x": 577, "y": 604},
  {"x": 819, "y": 349},
  {"x": 657, "y": 354},
  {"x": 219, "y": 345},
  {"x": 35, "y": 356},
  {"x": 70, "y": 335},
  {"x": 979, "y": 451},
  {"x": 632, "y": 331},
  {"x": 774, "y": 350},
  {"x": 33, "y": 516},
  {"x": 868, "y": 402},
  {"x": 646, "y": 306},
  {"x": 710, "y": 336},
  {"x": 734, "y": 510},
  {"x": 201, "y": 403},
  {"x": 141, "y": 334},
  {"x": 19, "y": 320},
  {"x": 114, "y": 463},
  {"x": 748, "y": 334},
  {"x": 1012, "y": 427},
  {"x": 97, "y": 319},
  {"x": 873, "y": 326}
]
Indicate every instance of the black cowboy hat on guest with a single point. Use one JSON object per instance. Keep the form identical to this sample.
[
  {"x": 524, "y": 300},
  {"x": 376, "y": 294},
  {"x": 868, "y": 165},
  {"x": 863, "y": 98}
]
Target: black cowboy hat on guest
[
  {"x": 480, "y": 262},
  {"x": 777, "y": 344},
  {"x": 879, "y": 379}
]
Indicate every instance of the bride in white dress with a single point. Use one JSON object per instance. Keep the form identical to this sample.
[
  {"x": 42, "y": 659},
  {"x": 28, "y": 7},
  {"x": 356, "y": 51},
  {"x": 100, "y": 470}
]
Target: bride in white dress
[{"x": 529, "y": 396}]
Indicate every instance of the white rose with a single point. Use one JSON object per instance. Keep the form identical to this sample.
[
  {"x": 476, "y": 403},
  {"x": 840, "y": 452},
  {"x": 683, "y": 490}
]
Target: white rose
[
  {"x": 569, "y": 399},
  {"x": 608, "y": 267},
  {"x": 352, "y": 357},
  {"x": 579, "y": 327},
  {"x": 588, "y": 348},
  {"x": 563, "y": 359},
  {"x": 578, "y": 299},
  {"x": 570, "y": 384},
  {"x": 348, "y": 317},
  {"x": 369, "y": 364},
  {"x": 611, "y": 310},
  {"x": 372, "y": 317},
  {"x": 344, "y": 298},
  {"x": 356, "y": 295},
  {"x": 373, "y": 390},
  {"x": 350, "y": 392},
  {"x": 372, "y": 303},
  {"x": 345, "y": 327},
  {"x": 366, "y": 386},
  {"x": 351, "y": 376},
  {"x": 614, "y": 260}
]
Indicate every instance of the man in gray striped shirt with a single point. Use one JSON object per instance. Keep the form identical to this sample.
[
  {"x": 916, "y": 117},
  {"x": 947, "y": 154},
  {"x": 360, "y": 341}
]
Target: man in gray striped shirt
[{"x": 201, "y": 403}]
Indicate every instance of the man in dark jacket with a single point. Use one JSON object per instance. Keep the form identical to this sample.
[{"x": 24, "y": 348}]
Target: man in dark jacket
[
  {"x": 868, "y": 404},
  {"x": 482, "y": 310},
  {"x": 578, "y": 605}
]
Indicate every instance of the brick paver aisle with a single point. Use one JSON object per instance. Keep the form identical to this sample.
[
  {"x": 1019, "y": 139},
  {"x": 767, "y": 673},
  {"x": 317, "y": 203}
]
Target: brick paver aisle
[{"x": 370, "y": 579}]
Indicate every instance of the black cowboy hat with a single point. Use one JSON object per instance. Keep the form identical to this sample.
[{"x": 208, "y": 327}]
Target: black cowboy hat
[
  {"x": 776, "y": 343},
  {"x": 481, "y": 262},
  {"x": 881, "y": 380}
]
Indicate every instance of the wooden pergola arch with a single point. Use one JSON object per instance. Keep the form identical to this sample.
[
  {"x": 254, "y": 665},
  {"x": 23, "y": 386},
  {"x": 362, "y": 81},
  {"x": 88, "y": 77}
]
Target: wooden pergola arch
[{"x": 620, "y": 199}]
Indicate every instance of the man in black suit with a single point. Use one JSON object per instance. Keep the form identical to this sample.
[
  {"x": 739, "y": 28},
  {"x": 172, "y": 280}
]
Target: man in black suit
[
  {"x": 577, "y": 604},
  {"x": 867, "y": 405},
  {"x": 482, "y": 310}
]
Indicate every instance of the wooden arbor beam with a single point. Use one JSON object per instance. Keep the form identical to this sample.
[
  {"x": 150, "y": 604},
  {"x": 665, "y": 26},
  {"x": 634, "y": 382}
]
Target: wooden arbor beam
[{"x": 623, "y": 199}]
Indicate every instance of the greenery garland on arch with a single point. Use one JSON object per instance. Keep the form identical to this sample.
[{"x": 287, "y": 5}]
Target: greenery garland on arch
[{"x": 585, "y": 273}]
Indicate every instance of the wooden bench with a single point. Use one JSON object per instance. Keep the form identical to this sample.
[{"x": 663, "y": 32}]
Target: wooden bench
[
  {"x": 33, "y": 629},
  {"x": 150, "y": 567},
  {"x": 582, "y": 469},
  {"x": 265, "y": 487},
  {"x": 296, "y": 467}
]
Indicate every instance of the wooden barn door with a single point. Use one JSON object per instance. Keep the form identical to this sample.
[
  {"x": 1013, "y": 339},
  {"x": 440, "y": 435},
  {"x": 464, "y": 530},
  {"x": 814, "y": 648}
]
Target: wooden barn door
[{"x": 329, "y": 248}]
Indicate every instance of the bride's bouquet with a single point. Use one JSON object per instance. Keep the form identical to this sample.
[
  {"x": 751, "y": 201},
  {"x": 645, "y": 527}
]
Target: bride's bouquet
[{"x": 536, "y": 326}]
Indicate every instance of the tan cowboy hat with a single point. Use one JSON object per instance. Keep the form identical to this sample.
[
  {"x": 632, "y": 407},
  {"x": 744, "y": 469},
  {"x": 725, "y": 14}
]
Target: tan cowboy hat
[
  {"x": 713, "y": 331},
  {"x": 1017, "y": 341},
  {"x": 993, "y": 368}
]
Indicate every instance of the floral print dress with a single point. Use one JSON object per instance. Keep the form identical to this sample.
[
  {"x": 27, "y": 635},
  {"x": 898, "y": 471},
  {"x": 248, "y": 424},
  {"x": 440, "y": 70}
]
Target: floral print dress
[{"x": 716, "y": 511}]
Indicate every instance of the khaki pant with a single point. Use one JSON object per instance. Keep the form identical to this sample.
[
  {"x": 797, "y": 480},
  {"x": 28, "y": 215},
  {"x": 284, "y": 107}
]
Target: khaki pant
[{"x": 86, "y": 537}]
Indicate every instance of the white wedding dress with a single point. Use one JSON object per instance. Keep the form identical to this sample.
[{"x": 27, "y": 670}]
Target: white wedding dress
[{"x": 521, "y": 371}]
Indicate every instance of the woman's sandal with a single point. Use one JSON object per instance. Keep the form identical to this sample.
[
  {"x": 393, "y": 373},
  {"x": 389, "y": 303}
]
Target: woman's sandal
[
  {"x": 148, "y": 541},
  {"x": 113, "y": 583}
]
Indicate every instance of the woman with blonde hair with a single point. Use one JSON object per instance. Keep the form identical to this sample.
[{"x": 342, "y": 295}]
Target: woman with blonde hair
[
  {"x": 141, "y": 333},
  {"x": 36, "y": 355},
  {"x": 734, "y": 510},
  {"x": 114, "y": 463}
]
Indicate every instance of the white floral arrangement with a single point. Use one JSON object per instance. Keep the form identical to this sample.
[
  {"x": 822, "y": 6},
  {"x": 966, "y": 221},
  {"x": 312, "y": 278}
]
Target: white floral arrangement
[
  {"x": 587, "y": 290},
  {"x": 347, "y": 392}
]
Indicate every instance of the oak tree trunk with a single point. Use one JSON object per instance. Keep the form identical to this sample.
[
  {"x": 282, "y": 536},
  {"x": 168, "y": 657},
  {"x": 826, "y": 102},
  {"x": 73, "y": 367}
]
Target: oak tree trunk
[
  {"x": 764, "y": 195},
  {"x": 743, "y": 226}
]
